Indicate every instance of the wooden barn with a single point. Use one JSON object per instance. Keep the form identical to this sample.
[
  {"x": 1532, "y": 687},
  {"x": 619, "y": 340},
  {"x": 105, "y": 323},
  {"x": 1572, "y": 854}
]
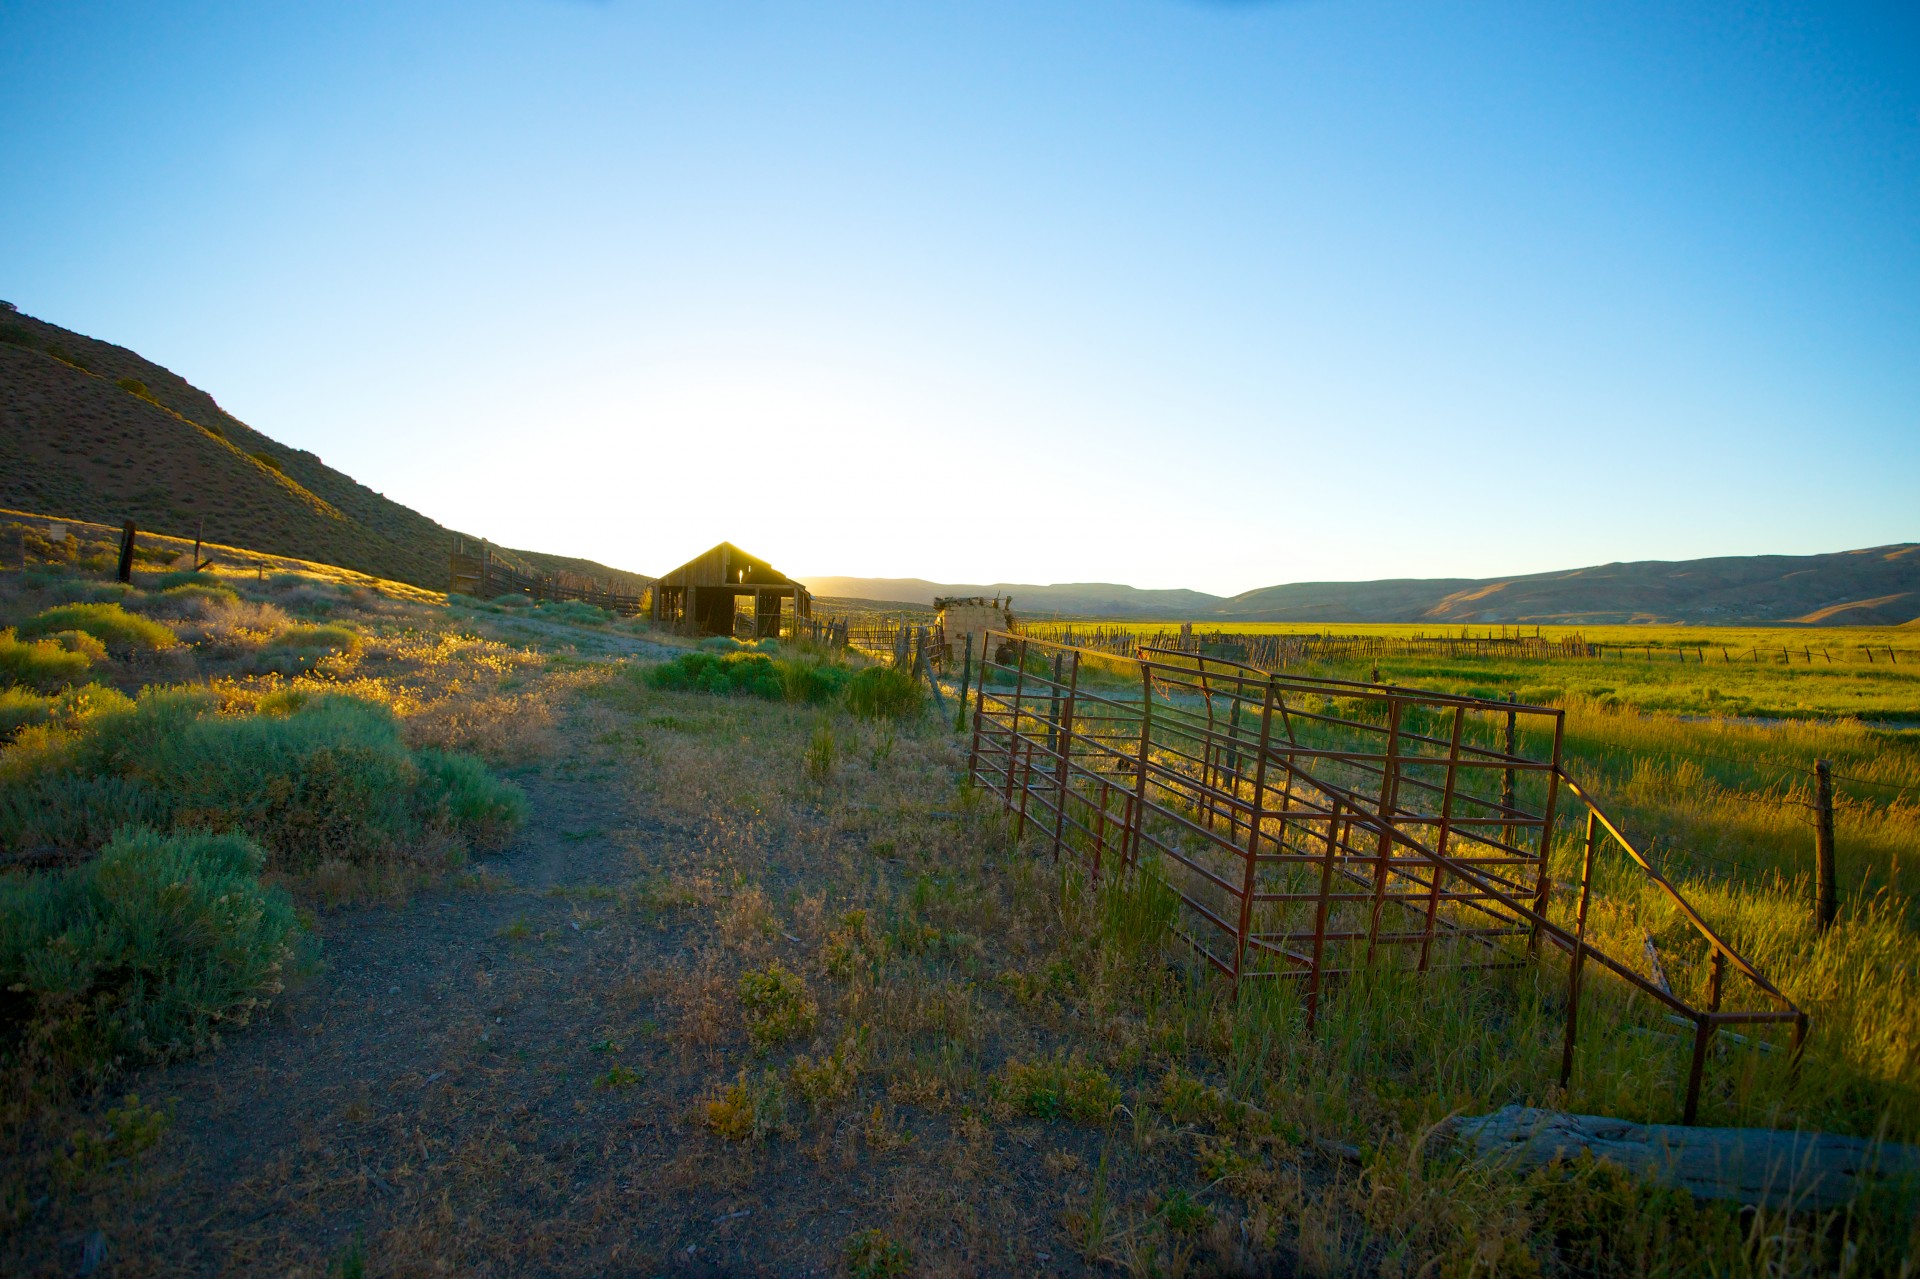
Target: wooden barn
[{"x": 729, "y": 592}]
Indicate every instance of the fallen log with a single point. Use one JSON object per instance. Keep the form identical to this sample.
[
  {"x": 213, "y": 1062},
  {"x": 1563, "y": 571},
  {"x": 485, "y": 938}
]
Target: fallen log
[{"x": 1765, "y": 1167}]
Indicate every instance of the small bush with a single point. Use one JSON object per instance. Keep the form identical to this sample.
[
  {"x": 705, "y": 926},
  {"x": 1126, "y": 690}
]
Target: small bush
[
  {"x": 881, "y": 692},
  {"x": 140, "y": 954},
  {"x": 108, "y": 623},
  {"x": 81, "y": 642},
  {"x": 65, "y": 709},
  {"x": 329, "y": 780},
  {"x": 811, "y": 681},
  {"x": 1060, "y": 1089},
  {"x": 43, "y": 664},
  {"x": 512, "y": 601},
  {"x": 871, "y": 1254},
  {"x": 833, "y": 1076},
  {"x": 777, "y": 1005},
  {"x": 820, "y": 752},
  {"x": 748, "y": 1110},
  {"x": 267, "y": 460},
  {"x": 574, "y": 612},
  {"x": 205, "y": 592},
  {"x": 700, "y": 672},
  {"x": 318, "y": 639}
]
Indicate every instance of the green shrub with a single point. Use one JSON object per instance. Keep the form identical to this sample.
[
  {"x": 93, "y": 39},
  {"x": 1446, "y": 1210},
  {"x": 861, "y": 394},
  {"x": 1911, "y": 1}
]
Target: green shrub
[
  {"x": 511, "y": 601},
  {"x": 1060, "y": 1089},
  {"x": 267, "y": 460},
  {"x": 328, "y": 779},
  {"x": 776, "y": 1004},
  {"x": 703, "y": 672},
  {"x": 43, "y": 664},
  {"x": 81, "y": 642},
  {"x": 20, "y": 707},
  {"x": 809, "y": 680},
  {"x": 108, "y": 623},
  {"x": 871, "y": 1254},
  {"x": 573, "y": 611},
  {"x": 881, "y": 692},
  {"x": 138, "y": 955},
  {"x": 317, "y": 639},
  {"x": 211, "y": 592}
]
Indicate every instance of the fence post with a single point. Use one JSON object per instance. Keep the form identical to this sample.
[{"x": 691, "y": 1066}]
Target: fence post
[
  {"x": 966, "y": 679},
  {"x": 1254, "y": 815},
  {"x": 1063, "y": 750},
  {"x": 126, "y": 551},
  {"x": 1138, "y": 804},
  {"x": 1827, "y": 904},
  {"x": 1579, "y": 959},
  {"x": 1389, "y": 799}
]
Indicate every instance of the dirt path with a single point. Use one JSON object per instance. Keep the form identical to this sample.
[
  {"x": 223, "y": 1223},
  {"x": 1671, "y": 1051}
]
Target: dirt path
[{"x": 495, "y": 1078}]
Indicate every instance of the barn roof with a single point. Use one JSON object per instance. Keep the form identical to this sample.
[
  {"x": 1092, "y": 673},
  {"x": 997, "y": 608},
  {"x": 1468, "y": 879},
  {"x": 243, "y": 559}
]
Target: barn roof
[{"x": 726, "y": 565}]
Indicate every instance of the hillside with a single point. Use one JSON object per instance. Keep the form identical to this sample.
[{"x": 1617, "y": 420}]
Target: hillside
[
  {"x": 93, "y": 431},
  {"x": 1877, "y": 586}
]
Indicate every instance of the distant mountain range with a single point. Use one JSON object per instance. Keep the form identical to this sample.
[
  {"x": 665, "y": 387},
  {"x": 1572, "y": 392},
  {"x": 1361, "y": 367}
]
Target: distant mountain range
[
  {"x": 93, "y": 431},
  {"x": 1877, "y": 586}
]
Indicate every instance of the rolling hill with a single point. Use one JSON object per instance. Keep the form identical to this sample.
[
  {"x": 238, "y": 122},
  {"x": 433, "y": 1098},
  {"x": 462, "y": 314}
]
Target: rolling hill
[
  {"x": 1877, "y": 586},
  {"x": 93, "y": 431}
]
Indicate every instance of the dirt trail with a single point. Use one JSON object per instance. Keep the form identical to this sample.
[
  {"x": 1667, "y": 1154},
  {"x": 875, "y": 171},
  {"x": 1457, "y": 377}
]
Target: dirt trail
[{"x": 442, "y": 1095}]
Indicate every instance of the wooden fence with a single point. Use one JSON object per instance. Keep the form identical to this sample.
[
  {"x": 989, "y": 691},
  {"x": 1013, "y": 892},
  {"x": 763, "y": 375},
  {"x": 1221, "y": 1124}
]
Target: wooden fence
[
  {"x": 1309, "y": 828},
  {"x": 485, "y": 572}
]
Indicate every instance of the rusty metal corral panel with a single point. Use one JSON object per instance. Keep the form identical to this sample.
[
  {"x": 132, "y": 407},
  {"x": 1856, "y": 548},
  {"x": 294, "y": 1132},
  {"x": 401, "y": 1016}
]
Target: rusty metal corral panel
[{"x": 1311, "y": 828}]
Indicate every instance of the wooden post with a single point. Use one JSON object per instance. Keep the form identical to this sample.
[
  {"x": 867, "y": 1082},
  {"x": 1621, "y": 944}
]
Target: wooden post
[
  {"x": 1827, "y": 904},
  {"x": 198, "y": 525},
  {"x": 126, "y": 551},
  {"x": 966, "y": 678}
]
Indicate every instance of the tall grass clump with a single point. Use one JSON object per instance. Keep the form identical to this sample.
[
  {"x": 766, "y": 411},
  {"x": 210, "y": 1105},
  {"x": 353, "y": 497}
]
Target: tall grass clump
[
  {"x": 140, "y": 954},
  {"x": 332, "y": 780},
  {"x": 43, "y": 664},
  {"x": 881, "y": 692},
  {"x": 109, "y": 623},
  {"x": 722, "y": 673}
]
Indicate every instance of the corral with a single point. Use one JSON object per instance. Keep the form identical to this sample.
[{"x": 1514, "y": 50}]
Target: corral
[{"x": 1313, "y": 827}]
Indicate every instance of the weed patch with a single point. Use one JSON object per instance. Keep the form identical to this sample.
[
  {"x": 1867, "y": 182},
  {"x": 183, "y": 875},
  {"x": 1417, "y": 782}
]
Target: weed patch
[
  {"x": 109, "y": 623},
  {"x": 777, "y": 1005}
]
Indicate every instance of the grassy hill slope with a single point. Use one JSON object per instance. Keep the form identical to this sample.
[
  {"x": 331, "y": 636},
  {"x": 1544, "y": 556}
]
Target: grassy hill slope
[
  {"x": 1878, "y": 586},
  {"x": 93, "y": 431}
]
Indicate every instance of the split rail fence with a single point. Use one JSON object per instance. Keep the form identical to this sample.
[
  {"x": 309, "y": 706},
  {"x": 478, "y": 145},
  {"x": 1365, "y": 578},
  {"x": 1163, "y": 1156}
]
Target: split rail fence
[{"x": 1310, "y": 828}]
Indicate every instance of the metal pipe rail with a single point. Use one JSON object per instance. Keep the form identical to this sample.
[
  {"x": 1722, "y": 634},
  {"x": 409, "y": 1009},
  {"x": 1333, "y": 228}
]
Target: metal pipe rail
[{"x": 1311, "y": 828}]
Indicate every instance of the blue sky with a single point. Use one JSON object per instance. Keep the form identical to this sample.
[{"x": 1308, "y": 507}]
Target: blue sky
[{"x": 1169, "y": 293}]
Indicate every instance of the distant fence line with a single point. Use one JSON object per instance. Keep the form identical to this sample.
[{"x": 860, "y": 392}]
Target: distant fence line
[
  {"x": 485, "y": 572},
  {"x": 1279, "y": 651}
]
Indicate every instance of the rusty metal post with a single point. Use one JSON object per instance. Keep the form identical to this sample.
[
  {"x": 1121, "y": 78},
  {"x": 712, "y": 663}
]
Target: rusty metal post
[
  {"x": 1013, "y": 722},
  {"x": 1440, "y": 843},
  {"x": 1579, "y": 957},
  {"x": 1137, "y": 805},
  {"x": 1320, "y": 913},
  {"x": 1716, "y": 980},
  {"x": 1063, "y": 755},
  {"x": 1544, "y": 886},
  {"x": 1254, "y": 812},
  {"x": 1506, "y": 782},
  {"x": 966, "y": 679},
  {"x": 1389, "y": 799},
  {"x": 1696, "y": 1070},
  {"x": 1017, "y": 742}
]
